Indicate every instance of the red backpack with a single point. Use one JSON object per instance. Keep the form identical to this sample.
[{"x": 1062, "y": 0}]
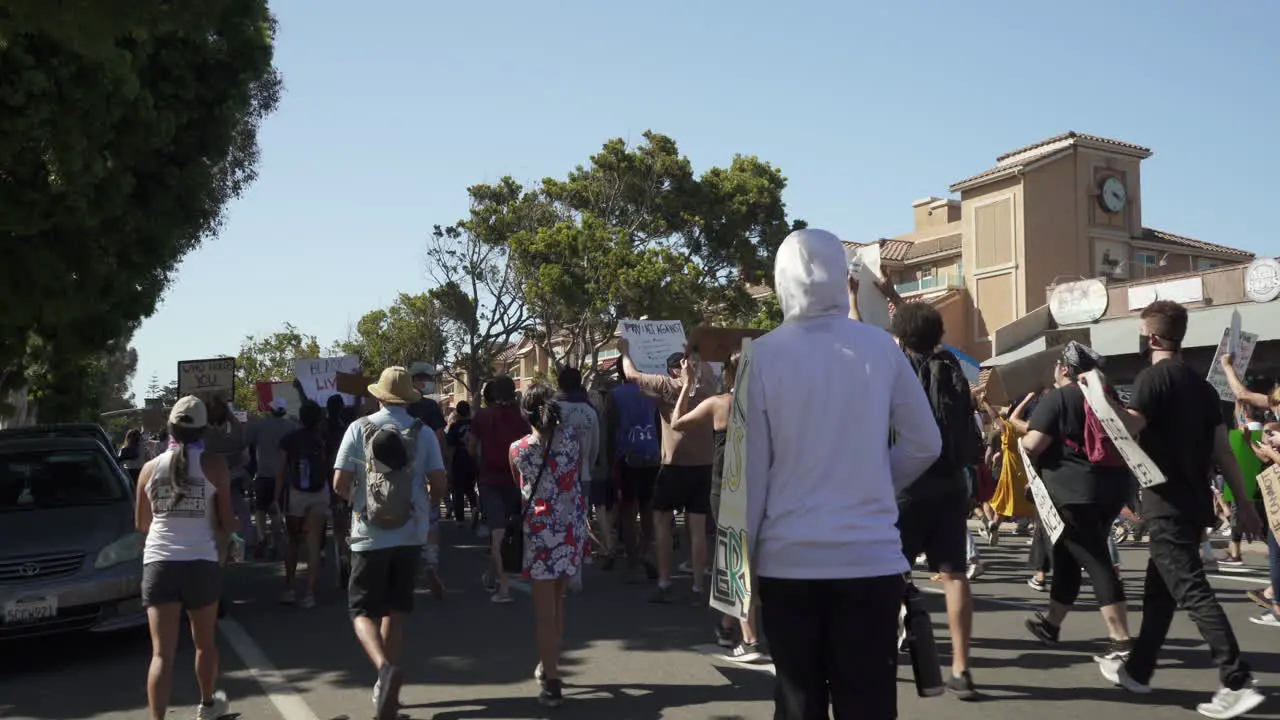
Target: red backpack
[{"x": 1098, "y": 446}]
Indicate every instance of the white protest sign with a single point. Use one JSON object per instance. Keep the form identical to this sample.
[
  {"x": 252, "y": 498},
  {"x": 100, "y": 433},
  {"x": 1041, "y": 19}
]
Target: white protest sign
[
  {"x": 652, "y": 342},
  {"x": 1244, "y": 344},
  {"x": 204, "y": 377},
  {"x": 731, "y": 576},
  {"x": 1050, "y": 519},
  {"x": 864, "y": 263},
  {"x": 1146, "y": 471},
  {"x": 319, "y": 376}
]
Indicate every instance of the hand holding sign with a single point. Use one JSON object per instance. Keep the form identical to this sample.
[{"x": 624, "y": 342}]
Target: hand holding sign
[{"x": 1139, "y": 463}]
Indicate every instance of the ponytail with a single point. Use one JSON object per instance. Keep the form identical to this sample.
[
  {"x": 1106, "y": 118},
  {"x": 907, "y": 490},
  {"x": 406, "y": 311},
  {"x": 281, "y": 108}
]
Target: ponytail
[
  {"x": 179, "y": 471},
  {"x": 542, "y": 412}
]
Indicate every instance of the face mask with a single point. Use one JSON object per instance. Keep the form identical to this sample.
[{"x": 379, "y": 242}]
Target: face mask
[{"x": 1144, "y": 347}]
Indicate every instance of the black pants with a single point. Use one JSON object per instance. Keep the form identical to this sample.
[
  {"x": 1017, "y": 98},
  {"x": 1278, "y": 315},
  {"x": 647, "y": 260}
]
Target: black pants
[
  {"x": 1083, "y": 544},
  {"x": 834, "y": 644},
  {"x": 1175, "y": 578},
  {"x": 1041, "y": 557},
  {"x": 462, "y": 489}
]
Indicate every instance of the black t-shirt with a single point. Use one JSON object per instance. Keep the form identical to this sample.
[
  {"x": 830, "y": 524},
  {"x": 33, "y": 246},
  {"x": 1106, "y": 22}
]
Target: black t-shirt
[
  {"x": 308, "y": 445},
  {"x": 1182, "y": 413},
  {"x": 429, "y": 412},
  {"x": 456, "y": 438},
  {"x": 1067, "y": 473}
]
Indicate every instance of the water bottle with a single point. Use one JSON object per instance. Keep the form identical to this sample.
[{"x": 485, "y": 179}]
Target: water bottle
[
  {"x": 923, "y": 649},
  {"x": 235, "y": 549}
]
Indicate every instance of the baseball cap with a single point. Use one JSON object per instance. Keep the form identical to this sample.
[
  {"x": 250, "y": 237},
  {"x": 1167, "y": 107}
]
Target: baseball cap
[{"x": 189, "y": 412}]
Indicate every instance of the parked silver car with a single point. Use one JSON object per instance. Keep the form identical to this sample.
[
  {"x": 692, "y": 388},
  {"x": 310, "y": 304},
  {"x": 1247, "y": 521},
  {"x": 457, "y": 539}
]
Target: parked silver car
[{"x": 70, "y": 556}]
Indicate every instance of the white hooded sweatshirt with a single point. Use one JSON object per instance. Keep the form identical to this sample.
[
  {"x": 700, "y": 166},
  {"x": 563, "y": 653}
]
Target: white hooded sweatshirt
[{"x": 823, "y": 394}]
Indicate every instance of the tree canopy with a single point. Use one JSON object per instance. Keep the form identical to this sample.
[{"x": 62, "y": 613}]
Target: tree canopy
[
  {"x": 270, "y": 358},
  {"x": 410, "y": 330},
  {"x": 125, "y": 129},
  {"x": 636, "y": 232}
]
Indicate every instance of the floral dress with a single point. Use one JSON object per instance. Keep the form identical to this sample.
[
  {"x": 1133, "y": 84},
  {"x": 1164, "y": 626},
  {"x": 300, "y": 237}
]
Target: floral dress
[{"x": 555, "y": 515}]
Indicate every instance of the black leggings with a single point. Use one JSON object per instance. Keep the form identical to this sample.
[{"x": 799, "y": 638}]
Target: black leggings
[{"x": 1084, "y": 544}]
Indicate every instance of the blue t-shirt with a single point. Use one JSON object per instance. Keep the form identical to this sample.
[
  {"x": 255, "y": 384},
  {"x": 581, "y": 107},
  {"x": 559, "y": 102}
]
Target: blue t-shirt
[{"x": 365, "y": 537}]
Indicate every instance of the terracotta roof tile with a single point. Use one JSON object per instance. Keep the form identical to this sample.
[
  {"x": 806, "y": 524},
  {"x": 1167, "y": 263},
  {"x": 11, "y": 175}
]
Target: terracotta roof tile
[
  {"x": 1073, "y": 135},
  {"x": 1164, "y": 238},
  {"x": 933, "y": 246}
]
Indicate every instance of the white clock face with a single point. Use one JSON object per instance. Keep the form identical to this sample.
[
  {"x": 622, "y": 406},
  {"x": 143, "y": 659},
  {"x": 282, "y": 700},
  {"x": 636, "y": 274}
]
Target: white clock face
[{"x": 1113, "y": 195}]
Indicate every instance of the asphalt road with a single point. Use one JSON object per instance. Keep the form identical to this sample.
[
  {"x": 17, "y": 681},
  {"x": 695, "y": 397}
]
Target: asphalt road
[{"x": 625, "y": 659}]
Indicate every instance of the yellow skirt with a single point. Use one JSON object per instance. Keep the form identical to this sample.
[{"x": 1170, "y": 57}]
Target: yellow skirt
[{"x": 1010, "y": 499}]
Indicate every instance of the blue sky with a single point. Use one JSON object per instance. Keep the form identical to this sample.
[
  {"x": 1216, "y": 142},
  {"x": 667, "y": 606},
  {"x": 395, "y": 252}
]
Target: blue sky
[{"x": 393, "y": 109}]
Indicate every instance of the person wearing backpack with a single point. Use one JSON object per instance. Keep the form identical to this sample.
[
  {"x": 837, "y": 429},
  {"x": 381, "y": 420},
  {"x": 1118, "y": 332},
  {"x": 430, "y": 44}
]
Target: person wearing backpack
[
  {"x": 933, "y": 511},
  {"x": 1089, "y": 484},
  {"x": 636, "y": 452},
  {"x": 302, "y": 481},
  {"x": 380, "y": 469}
]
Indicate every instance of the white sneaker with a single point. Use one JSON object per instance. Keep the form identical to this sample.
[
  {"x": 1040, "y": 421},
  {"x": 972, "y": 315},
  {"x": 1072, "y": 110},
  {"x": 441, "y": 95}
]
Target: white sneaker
[
  {"x": 220, "y": 707},
  {"x": 308, "y": 602},
  {"x": 974, "y": 570},
  {"x": 1266, "y": 619},
  {"x": 1114, "y": 671},
  {"x": 1231, "y": 703}
]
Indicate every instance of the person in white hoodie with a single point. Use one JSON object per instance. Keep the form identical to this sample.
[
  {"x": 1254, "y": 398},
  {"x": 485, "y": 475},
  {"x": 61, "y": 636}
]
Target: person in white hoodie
[{"x": 824, "y": 395}]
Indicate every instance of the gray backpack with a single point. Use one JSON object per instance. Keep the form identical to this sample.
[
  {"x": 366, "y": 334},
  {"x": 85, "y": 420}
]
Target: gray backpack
[{"x": 389, "y": 489}]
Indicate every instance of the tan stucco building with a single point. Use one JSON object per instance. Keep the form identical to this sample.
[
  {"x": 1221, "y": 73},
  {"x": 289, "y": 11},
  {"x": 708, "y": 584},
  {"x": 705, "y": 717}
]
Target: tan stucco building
[{"x": 1062, "y": 209}]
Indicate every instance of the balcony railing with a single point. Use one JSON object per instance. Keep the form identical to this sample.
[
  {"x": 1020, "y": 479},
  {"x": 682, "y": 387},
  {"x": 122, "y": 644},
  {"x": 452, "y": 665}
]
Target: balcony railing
[{"x": 940, "y": 281}]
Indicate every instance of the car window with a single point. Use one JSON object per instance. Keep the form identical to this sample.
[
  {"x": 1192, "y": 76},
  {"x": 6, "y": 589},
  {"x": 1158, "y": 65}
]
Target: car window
[{"x": 45, "y": 479}]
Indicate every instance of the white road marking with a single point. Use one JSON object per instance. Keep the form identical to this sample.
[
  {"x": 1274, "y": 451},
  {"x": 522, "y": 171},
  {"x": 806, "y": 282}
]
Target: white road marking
[
  {"x": 288, "y": 702},
  {"x": 1241, "y": 578}
]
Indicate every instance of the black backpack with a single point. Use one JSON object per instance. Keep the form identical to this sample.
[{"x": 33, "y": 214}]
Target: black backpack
[
  {"x": 307, "y": 458},
  {"x": 949, "y": 395}
]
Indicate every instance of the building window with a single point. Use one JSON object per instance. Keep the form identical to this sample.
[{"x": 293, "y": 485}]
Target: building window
[
  {"x": 1206, "y": 264},
  {"x": 1145, "y": 264}
]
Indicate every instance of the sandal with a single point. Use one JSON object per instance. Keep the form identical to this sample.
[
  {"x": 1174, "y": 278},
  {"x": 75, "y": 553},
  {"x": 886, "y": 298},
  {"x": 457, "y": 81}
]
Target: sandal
[{"x": 1259, "y": 598}]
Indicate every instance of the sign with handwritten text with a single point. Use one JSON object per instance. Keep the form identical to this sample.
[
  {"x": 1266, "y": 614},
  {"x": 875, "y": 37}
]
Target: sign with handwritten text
[
  {"x": 1245, "y": 343},
  {"x": 206, "y": 377},
  {"x": 652, "y": 342},
  {"x": 731, "y": 573},
  {"x": 319, "y": 376},
  {"x": 1050, "y": 519},
  {"x": 1146, "y": 471},
  {"x": 1269, "y": 488}
]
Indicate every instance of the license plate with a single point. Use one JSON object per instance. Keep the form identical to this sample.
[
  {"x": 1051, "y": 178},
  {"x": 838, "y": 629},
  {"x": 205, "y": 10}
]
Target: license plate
[{"x": 30, "y": 610}]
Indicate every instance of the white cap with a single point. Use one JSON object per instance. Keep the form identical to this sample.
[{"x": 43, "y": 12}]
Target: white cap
[
  {"x": 279, "y": 405},
  {"x": 189, "y": 412}
]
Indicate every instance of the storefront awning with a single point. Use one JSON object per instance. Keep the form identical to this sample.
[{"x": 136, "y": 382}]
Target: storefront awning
[{"x": 1204, "y": 329}]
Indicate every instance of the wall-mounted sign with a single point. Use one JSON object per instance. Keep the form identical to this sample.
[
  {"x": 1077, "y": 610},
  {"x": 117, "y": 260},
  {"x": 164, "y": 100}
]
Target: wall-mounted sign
[
  {"x": 1111, "y": 259},
  {"x": 1184, "y": 291},
  {"x": 1262, "y": 280},
  {"x": 1079, "y": 302}
]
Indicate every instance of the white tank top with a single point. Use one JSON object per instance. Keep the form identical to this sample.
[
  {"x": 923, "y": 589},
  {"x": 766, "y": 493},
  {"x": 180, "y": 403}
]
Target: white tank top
[{"x": 181, "y": 530}]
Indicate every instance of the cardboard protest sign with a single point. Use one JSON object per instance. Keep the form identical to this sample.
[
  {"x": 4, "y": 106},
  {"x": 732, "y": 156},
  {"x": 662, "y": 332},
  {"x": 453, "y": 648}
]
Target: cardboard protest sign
[
  {"x": 268, "y": 391},
  {"x": 1050, "y": 518},
  {"x": 864, "y": 263},
  {"x": 319, "y": 376},
  {"x": 1269, "y": 484},
  {"x": 1244, "y": 343},
  {"x": 652, "y": 342},
  {"x": 1007, "y": 384},
  {"x": 1146, "y": 471},
  {"x": 207, "y": 377},
  {"x": 731, "y": 574},
  {"x": 717, "y": 344},
  {"x": 353, "y": 384}
]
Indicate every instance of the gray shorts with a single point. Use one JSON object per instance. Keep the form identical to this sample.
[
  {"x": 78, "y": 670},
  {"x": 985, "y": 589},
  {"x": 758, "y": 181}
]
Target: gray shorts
[{"x": 193, "y": 583}]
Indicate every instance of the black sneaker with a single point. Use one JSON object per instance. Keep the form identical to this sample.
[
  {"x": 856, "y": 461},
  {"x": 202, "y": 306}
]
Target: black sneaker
[
  {"x": 745, "y": 653},
  {"x": 962, "y": 686},
  {"x": 661, "y": 595},
  {"x": 1045, "y": 631},
  {"x": 1116, "y": 650},
  {"x": 552, "y": 694},
  {"x": 724, "y": 638}
]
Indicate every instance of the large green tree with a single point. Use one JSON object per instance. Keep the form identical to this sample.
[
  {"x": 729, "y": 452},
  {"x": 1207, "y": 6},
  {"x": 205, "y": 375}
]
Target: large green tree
[
  {"x": 409, "y": 331},
  {"x": 478, "y": 287},
  {"x": 270, "y": 358},
  {"x": 637, "y": 233},
  {"x": 125, "y": 129}
]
